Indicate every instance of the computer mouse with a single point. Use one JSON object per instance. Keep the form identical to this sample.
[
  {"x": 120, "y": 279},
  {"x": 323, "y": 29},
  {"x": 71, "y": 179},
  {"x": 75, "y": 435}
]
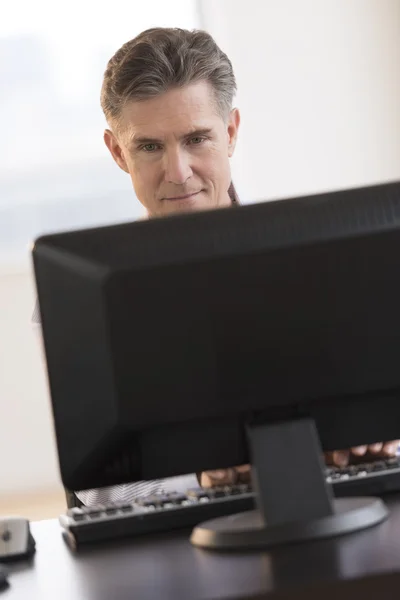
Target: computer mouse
[{"x": 16, "y": 540}]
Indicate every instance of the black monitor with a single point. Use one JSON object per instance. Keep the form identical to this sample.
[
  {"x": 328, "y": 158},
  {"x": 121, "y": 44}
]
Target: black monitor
[{"x": 253, "y": 334}]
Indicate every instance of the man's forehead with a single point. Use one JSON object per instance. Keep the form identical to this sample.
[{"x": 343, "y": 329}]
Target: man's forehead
[{"x": 177, "y": 112}]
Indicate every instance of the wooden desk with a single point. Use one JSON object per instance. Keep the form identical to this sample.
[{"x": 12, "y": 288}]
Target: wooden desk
[{"x": 166, "y": 567}]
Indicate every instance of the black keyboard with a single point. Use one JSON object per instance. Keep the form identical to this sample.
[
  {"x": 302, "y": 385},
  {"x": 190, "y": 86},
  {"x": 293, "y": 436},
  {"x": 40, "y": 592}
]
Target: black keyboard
[
  {"x": 151, "y": 514},
  {"x": 366, "y": 479},
  {"x": 157, "y": 513}
]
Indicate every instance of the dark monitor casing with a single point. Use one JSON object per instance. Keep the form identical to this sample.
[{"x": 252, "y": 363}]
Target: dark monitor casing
[{"x": 165, "y": 338}]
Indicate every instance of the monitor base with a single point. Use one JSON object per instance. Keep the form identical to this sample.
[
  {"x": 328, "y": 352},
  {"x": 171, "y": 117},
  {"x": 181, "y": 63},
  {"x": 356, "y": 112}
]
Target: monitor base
[{"x": 246, "y": 531}]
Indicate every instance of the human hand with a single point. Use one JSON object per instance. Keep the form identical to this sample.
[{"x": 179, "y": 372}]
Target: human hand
[
  {"x": 341, "y": 458},
  {"x": 220, "y": 477}
]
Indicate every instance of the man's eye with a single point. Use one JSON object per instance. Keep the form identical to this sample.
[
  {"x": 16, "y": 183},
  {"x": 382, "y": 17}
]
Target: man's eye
[
  {"x": 197, "y": 140},
  {"x": 150, "y": 147}
]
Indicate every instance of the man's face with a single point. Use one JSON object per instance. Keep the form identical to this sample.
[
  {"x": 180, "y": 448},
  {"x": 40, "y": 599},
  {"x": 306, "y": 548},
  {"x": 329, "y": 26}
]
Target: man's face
[{"x": 176, "y": 148}]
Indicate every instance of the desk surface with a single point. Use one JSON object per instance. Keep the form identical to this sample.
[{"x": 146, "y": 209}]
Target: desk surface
[{"x": 167, "y": 566}]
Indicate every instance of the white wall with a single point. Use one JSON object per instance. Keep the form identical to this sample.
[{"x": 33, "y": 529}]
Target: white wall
[
  {"x": 318, "y": 89},
  {"x": 27, "y": 448}
]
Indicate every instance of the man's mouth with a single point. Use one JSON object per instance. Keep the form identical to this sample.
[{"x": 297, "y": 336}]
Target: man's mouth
[{"x": 182, "y": 197}]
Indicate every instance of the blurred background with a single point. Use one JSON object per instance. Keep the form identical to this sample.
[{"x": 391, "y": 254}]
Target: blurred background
[{"x": 319, "y": 93}]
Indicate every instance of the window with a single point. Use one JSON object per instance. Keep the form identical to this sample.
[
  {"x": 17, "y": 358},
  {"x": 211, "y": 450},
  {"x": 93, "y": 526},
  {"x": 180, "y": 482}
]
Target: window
[{"x": 55, "y": 172}]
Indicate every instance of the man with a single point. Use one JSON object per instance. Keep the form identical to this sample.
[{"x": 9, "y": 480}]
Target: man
[{"x": 167, "y": 97}]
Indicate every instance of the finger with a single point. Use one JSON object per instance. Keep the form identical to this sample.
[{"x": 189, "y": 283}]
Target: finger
[
  {"x": 375, "y": 448},
  {"x": 328, "y": 457},
  {"x": 359, "y": 450},
  {"x": 217, "y": 478},
  {"x": 243, "y": 473},
  {"x": 340, "y": 458},
  {"x": 390, "y": 448},
  {"x": 243, "y": 469}
]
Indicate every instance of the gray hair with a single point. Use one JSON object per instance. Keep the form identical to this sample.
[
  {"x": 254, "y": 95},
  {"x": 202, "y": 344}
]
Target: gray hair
[{"x": 159, "y": 59}]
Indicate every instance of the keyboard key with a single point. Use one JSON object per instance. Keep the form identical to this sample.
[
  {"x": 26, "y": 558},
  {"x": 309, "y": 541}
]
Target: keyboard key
[
  {"x": 148, "y": 501},
  {"x": 176, "y": 498},
  {"x": 378, "y": 466},
  {"x": 111, "y": 510},
  {"x": 94, "y": 514},
  {"x": 393, "y": 463},
  {"x": 219, "y": 493},
  {"x": 197, "y": 493},
  {"x": 77, "y": 514}
]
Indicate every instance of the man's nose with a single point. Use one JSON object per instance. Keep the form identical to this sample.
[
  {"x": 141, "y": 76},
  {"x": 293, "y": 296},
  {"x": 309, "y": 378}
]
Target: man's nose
[{"x": 177, "y": 166}]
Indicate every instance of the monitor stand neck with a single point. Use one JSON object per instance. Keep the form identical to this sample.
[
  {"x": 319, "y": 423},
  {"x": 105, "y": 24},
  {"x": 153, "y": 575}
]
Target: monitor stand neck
[{"x": 294, "y": 501}]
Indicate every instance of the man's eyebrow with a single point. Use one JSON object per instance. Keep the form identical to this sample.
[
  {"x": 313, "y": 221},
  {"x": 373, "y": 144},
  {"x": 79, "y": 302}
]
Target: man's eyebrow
[
  {"x": 198, "y": 132},
  {"x": 141, "y": 141}
]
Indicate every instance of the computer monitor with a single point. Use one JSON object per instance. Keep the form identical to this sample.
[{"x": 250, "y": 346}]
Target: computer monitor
[{"x": 250, "y": 334}]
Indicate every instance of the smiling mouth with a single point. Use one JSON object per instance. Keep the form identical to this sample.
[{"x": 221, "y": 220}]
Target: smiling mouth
[{"x": 183, "y": 197}]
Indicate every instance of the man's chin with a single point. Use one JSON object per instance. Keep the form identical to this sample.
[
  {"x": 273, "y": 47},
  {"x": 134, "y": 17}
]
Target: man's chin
[{"x": 191, "y": 204}]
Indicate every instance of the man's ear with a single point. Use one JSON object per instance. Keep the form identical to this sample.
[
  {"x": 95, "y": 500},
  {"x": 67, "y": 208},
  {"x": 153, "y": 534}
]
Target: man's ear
[
  {"x": 233, "y": 128},
  {"x": 115, "y": 149}
]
